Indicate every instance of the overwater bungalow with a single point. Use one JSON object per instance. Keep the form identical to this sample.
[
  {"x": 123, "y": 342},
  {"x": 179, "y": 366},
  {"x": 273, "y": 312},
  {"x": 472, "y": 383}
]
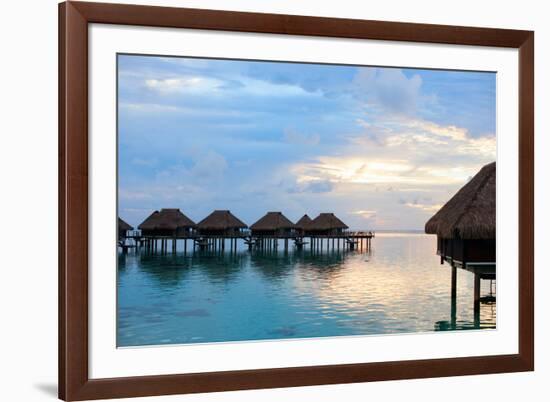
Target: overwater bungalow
[
  {"x": 221, "y": 223},
  {"x": 465, "y": 225},
  {"x": 123, "y": 229},
  {"x": 272, "y": 224},
  {"x": 302, "y": 224},
  {"x": 465, "y": 229},
  {"x": 168, "y": 222},
  {"x": 326, "y": 224}
]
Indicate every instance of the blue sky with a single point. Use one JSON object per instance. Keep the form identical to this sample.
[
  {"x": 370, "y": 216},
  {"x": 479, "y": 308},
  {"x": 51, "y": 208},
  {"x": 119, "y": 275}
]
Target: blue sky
[{"x": 383, "y": 148}]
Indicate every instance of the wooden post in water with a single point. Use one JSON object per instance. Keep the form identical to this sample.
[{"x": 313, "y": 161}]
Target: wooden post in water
[
  {"x": 477, "y": 294},
  {"x": 453, "y": 297},
  {"x": 453, "y": 282}
]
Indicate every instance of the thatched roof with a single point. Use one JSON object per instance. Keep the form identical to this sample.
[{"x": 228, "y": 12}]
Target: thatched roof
[
  {"x": 304, "y": 222},
  {"x": 272, "y": 221},
  {"x": 221, "y": 220},
  {"x": 471, "y": 213},
  {"x": 167, "y": 219},
  {"x": 122, "y": 225},
  {"x": 326, "y": 221}
]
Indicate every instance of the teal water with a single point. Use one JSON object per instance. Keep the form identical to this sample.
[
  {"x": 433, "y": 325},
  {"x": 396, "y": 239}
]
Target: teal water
[{"x": 398, "y": 287}]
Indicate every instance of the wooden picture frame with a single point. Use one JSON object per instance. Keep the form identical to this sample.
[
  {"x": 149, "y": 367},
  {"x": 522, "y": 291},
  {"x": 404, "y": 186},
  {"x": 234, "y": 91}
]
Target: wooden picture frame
[{"x": 74, "y": 381}]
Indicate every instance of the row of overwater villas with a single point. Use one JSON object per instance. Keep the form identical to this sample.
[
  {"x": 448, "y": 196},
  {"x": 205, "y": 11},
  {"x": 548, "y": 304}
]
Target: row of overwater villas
[{"x": 171, "y": 222}]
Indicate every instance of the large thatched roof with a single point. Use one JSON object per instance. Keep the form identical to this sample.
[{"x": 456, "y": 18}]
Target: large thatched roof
[
  {"x": 272, "y": 221},
  {"x": 471, "y": 213},
  {"x": 304, "y": 222},
  {"x": 122, "y": 225},
  {"x": 221, "y": 220},
  {"x": 167, "y": 219},
  {"x": 326, "y": 221}
]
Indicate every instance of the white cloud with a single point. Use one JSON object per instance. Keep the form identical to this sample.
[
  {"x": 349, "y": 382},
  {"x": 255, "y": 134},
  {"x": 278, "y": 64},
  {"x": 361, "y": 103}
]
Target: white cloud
[
  {"x": 367, "y": 214},
  {"x": 408, "y": 153},
  {"x": 184, "y": 84},
  {"x": 389, "y": 88},
  {"x": 432, "y": 208}
]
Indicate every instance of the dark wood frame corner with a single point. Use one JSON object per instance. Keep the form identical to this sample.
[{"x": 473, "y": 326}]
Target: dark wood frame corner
[{"x": 74, "y": 382}]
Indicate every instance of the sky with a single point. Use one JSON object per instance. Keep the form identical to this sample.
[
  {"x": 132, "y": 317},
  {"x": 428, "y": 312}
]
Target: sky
[{"x": 383, "y": 148}]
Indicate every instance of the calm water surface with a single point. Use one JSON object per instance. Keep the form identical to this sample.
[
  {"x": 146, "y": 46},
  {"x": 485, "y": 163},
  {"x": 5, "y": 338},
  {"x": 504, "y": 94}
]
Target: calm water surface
[{"x": 398, "y": 287}]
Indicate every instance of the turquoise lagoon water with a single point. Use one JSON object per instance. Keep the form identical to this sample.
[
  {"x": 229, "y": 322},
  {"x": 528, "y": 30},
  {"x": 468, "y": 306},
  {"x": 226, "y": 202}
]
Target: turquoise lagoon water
[{"x": 398, "y": 287}]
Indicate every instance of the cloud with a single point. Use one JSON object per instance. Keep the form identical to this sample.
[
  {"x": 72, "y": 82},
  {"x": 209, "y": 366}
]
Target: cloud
[
  {"x": 367, "y": 214},
  {"x": 144, "y": 161},
  {"x": 388, "y": 88},
  {"x": 183, "y": 84},
  {"x": 292, "y": 136},
  {"x": 311, "y": 186},
  {"x": 432, "y": 208},
  {"x": 228, "y": 86},
  {"x": 321, "y": 186},
  {"x": 406, "y": 153},
  {"x": 127, "y": 195},
  {"x": 210, "y": 165}
]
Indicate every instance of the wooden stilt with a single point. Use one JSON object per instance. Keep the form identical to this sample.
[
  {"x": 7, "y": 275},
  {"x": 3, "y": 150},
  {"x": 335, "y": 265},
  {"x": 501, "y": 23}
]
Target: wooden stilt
[
  {"x": 453, "y": 282},
  {"x": 453, "y": 297},
  {"x": 477, "y": 294}
]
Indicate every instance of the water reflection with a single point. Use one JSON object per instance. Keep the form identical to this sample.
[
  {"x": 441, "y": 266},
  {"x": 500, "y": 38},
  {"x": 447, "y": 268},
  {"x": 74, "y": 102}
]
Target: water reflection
[{"x": 210, "y": 296}]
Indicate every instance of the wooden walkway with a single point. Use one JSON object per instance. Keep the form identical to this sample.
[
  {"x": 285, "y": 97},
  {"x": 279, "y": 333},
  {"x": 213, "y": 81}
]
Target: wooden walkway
[{"x": 349, "y": 240}]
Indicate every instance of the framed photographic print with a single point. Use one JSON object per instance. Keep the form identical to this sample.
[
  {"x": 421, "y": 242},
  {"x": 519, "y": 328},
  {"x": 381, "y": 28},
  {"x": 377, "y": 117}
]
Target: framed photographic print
[{"x": 259, "y": 200}]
